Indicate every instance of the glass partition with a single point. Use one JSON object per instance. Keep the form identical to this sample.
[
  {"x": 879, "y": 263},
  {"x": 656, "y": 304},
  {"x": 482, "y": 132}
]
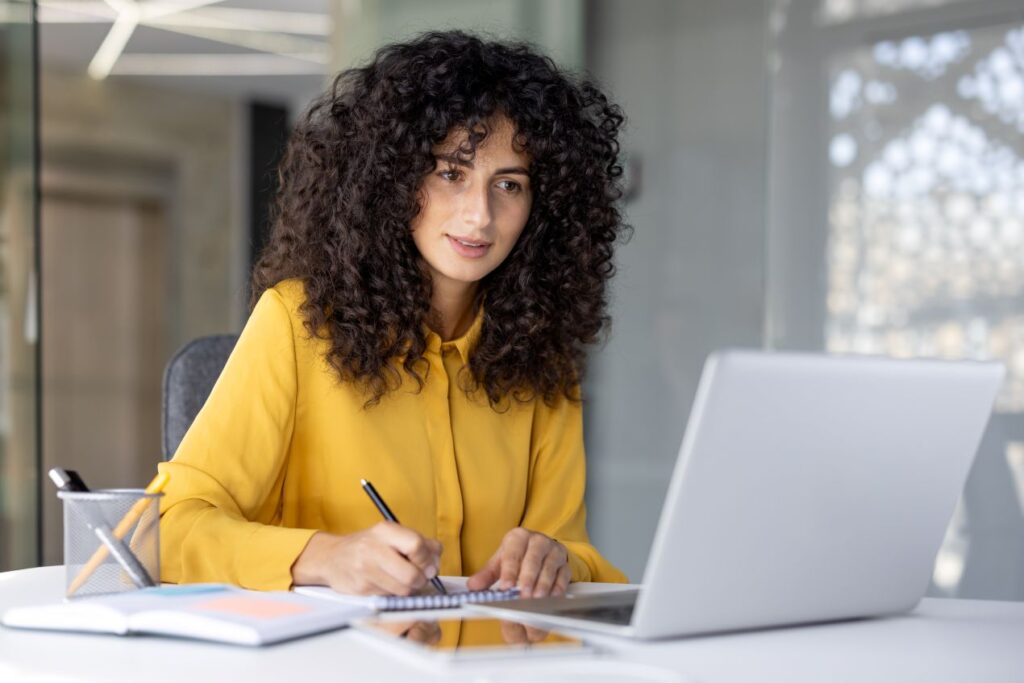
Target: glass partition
[{"x": 19, "y": 330}]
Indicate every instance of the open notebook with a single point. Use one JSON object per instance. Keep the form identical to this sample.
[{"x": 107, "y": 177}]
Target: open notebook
[
  {"x": 457, "y": 597},
  {"x": 203, "y": 611}
]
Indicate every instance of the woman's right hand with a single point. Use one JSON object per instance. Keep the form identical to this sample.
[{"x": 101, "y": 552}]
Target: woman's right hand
[{"x": 386, "y": 559}]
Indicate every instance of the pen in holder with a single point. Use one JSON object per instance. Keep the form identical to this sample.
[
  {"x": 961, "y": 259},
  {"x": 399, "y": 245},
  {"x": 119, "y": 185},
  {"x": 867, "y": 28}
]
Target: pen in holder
[{"x": 111, "y": 540}]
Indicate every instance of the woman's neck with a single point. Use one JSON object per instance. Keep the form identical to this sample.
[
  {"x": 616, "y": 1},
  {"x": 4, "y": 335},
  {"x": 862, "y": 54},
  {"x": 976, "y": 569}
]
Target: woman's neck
[{"x": 452, "y": 307}]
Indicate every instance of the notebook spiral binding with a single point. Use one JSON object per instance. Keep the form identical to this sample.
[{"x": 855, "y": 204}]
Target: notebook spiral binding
[{"x": 395, "y": 603}]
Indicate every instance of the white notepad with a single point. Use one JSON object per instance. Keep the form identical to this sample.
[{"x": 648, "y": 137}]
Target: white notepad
[
  {"x": 457, "y": 597},
  {"x": 215, "y": 612}
]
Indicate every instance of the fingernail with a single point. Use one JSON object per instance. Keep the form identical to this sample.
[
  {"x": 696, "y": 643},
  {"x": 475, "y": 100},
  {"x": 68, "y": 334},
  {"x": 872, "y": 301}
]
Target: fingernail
[{"x": 431, "y": 572}]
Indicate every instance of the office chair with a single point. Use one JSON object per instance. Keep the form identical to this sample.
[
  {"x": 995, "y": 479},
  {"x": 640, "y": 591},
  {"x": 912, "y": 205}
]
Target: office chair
[{"x": 188, "y": 379}]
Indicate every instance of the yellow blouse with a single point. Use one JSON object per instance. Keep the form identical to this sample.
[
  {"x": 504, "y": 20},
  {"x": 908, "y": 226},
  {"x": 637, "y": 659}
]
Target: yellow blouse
[{"x": 279, "y": 448}]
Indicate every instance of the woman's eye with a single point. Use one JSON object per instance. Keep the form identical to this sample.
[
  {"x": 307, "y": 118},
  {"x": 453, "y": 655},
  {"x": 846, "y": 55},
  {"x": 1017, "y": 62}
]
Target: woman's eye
[
  {"x": 510, "y": 186},
  {"x": 450, "y": 174}
]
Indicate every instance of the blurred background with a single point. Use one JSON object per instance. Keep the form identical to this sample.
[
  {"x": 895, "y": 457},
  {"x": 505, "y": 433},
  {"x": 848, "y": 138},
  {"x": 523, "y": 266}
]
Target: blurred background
[{"x": 842, "y": 175}]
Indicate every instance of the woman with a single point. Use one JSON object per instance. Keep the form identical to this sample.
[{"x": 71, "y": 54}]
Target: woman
[{"x": 442, "y": 241}]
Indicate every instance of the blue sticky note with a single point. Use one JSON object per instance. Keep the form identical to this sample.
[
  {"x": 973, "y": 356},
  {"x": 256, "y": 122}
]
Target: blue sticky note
[{"x": 188, "y": 589}]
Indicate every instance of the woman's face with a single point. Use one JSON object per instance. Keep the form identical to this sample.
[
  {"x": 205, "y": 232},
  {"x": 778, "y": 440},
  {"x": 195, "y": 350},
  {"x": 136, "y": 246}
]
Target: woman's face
[{"x": 472, "y": 212}]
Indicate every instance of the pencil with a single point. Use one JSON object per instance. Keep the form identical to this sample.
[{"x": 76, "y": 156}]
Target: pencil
[{"x": 120, "y": 531}]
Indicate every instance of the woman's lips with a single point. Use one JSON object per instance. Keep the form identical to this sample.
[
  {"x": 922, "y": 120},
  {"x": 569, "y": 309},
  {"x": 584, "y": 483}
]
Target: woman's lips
[{"x": 468, "y": 248}]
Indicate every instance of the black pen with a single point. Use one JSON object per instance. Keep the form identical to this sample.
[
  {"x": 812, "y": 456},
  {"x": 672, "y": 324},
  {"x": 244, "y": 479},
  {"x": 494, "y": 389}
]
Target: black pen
[{"x": 390, "y": 516}]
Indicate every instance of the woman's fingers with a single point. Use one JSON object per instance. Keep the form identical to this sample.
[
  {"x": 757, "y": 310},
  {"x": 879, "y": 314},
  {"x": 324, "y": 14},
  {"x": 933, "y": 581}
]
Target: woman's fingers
[
  {"x": 397, "y": 574},
  {"x": 553, "y": 563},
  {"x": 562, "y": 580},
  {"x": 486, "y": 577},
  {"x": 539, "y": 570},
  {"x": 538, "y": 565},
  {"x": 397, "y": 560},
  {"x": 513, "y": 548},
  {"x": 384, "y": 559},
  {"x": 435, "y": 554},
  {"x": 424, "y": 553},
  {"x": 537, "y": 549}
]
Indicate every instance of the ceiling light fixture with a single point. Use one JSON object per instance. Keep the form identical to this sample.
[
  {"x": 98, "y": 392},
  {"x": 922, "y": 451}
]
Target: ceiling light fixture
[
  {"x": 273, "y": 34},
  {"x": 253, "y": 64}
]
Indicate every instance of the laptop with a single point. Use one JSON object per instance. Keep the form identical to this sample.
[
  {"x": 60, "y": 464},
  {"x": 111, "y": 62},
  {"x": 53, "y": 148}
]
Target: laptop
[{"x": 808, "y": 488}]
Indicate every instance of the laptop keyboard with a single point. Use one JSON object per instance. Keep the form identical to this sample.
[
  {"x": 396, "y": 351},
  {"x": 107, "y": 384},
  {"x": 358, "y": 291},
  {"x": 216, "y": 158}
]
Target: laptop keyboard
[{"x": 619, "y": 614}]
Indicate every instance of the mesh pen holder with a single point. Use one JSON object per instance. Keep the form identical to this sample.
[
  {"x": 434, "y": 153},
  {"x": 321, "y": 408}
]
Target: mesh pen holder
[{"x": 111, "y": 541}]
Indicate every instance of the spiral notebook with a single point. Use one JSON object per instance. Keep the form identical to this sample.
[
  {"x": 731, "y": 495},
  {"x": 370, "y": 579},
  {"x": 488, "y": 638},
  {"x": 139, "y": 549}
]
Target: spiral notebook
[{"x": 394, "y": 603}]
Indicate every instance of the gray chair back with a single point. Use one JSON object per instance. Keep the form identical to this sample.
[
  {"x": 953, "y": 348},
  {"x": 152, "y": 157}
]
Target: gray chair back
[{"x": 188, "y": 379}]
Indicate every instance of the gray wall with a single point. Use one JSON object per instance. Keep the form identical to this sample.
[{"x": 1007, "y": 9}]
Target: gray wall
[{"x": 692, "y": 80}]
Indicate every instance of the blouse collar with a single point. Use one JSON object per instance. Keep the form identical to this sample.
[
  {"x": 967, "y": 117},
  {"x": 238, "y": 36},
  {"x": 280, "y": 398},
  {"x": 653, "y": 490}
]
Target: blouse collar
[{"x": 463, "y": 344}]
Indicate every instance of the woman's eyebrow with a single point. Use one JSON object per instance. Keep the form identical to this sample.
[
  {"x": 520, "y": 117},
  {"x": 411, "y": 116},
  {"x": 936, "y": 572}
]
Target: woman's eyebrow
[{"x": 452, "y": 159}]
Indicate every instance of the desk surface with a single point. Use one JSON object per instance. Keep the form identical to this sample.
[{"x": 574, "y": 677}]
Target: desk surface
[{"x": 942, "y": 640}]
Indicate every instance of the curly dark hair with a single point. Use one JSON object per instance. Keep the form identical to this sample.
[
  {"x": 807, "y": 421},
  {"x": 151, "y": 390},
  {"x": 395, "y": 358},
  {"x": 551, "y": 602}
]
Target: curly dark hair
[{"x": 349, "y": 187}]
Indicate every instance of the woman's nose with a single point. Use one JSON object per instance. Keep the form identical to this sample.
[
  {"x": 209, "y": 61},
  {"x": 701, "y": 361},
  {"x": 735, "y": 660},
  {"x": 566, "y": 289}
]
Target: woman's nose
[{"x": 476, "y": 207}]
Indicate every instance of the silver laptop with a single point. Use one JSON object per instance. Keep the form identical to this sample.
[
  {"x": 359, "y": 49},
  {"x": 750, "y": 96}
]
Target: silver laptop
[{"x": 807, "y": 488}]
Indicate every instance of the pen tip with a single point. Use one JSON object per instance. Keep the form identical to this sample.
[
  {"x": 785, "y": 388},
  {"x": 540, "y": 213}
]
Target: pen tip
[{"x": 362, "y": 482}]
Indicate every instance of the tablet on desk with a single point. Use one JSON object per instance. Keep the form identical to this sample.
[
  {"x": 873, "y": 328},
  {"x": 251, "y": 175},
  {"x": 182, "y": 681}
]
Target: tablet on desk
[{"x": 468, "y": 639}]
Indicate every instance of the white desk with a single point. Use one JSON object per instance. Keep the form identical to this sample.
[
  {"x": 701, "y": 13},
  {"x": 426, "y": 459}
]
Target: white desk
[{"x": 942, "y": 640}]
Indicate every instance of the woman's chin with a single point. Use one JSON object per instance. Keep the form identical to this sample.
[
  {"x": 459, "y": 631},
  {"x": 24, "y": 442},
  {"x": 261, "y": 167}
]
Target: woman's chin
[{"x": 464, "y": 275}]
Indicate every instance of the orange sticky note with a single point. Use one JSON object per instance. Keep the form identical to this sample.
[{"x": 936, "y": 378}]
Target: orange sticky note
[{"x": 256, "y": 608}]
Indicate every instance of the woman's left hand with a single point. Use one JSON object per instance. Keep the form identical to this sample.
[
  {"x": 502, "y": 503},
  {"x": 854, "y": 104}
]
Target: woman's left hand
[{"x": 536, "y": 564}]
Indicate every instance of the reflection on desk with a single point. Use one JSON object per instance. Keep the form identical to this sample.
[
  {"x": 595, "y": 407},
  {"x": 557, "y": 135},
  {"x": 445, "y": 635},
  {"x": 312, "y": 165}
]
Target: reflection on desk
[
  {"x": 941, "y": 641},
  {"x": 470, "y": 639},
  {"x": 449, "y": 634}
]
